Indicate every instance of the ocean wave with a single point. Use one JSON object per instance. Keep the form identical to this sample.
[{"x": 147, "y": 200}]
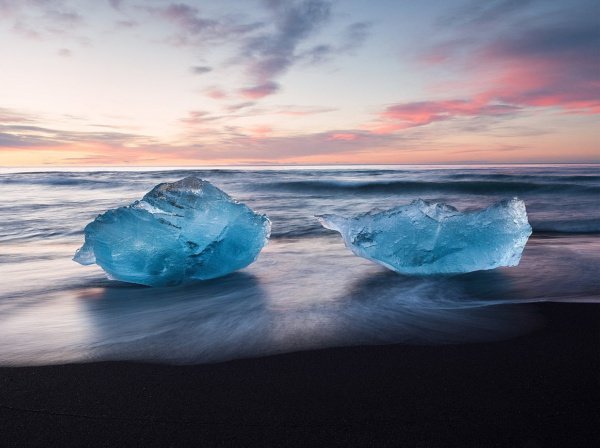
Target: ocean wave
[
  {"x": 581, "y": 226},
  {"x": 60, "y": 181},
  {"x": 545, "y": 178},
  {"x": 591, "y": 225},
  {"x": 408, "y": 186}
]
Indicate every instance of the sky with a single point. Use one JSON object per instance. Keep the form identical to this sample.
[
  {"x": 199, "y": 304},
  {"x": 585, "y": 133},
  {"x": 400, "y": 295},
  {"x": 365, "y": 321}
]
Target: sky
[{"x": 134, "y": 82}]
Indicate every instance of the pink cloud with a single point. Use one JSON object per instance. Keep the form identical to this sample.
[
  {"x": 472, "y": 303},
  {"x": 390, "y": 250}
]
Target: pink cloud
[
  {"x": 261, "y": 131},
  {"x": 195, "y": 117},
  {"x": 260, "y": 91},
  {"x": 509, "y": 66},
  {"x": 343, "y": 136},
  {"x": 549, "y": 65},
  {"x": 187, "y": 17},
  {"x": 215, "y": 93},
  {"x": 301, "y": 111},
  {"x": 11, "y": 116},
  {"x": 550, "y": 62},
  {"x": 539, "y": 82},
  {"x": 408, "y": 115}
]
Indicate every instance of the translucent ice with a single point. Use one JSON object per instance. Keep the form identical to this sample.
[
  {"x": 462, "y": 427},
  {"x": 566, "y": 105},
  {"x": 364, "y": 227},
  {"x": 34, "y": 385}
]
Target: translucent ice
[
  {"x": 424, "y": 238},
  {"x": 186, "y": 230}
]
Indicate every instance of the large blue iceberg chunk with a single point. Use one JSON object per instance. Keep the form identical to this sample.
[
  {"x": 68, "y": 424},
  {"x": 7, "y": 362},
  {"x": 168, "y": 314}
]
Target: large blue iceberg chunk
[
  {"x": 424, "y": 238},
  {"x": 186, "y": 230}
]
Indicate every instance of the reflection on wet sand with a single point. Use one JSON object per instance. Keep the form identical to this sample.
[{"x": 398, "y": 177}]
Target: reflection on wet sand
[
  {"x": 301, "y": 294},
  {"x": 243, "y": 315}
]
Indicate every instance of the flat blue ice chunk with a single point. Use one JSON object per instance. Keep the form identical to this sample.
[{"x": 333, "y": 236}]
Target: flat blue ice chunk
[
  {"x": 424, "y": 238},
  {"x": 181, "y": 231}
]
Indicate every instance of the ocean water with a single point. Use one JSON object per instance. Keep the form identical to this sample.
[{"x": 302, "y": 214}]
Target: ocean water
[{"x": 306, "y": 290}]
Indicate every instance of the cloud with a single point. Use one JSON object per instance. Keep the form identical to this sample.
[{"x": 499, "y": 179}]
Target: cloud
[
  {"x": 343, "y": 136},
  {"x": 9, "y": 116},
  {"x": 318, "y": 54},
  {"x": 552, "y": 64},
  {"x": 265, "y": 48},
  {"x": 65, "y": 52},
  {"x": 64, "y": 17},
  {"x": 188, "y": 18},
  {"x": 262, "y": 131},
  {"x": 42, "y": 19},
  {"x": 198, "y": 117},
  {"x": 216, "y": 93},
  {"x": 21, "y": 130},
  {"x": 207, "y": 122},
  {"x": 200, "y": 69},
  {"x": 239, "y": 106},
  {"x": 352, "y": 38},
  {"x": 196, "y": 29},
  {"x": 259, "y": 91},
  {"x": 125, "y": 24},
  {"x": 116, "y": 4},
  {"x": 512, "y": 56},
  {"x": 311, "y": 147},
  {"x": 482, "y": 14},
  {"x": 355, "y": 35},
  {"x": 269, "y": 54},
  {"x": 8, "y": 140},
  {"x": 300, "y": 111},
  {"x": 407, "y": 115}
]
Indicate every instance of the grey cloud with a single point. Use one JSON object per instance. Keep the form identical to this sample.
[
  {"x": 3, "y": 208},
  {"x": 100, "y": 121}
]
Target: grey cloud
[
  {"x": 355, "y": 35},
  {"x": 8, "y": 140},
  {"x": 40, "y": 19},
  {"x": 352, "y": 38},
  {"x": 266, "y": 48},
  {"x": 483, "y": 13},
  {"x": 294, "y": 110},
  {"x": 200, "y": 69},
  {"x": 318, "y": 54},
  {"x": 31, "y": 135},
  {"x": 188, "y": 18},
  {"x": 11, "y": 116},
  {"x": 195, "y": 29},
  {"x": 116, "y": 4},
  {"x": 126, "y": 23},
  {"x": 260, "y": 90},
  {"x": 578, "y": 37},
  {"x": 238, "y": 106},
  {"x": 532, "y": 53},
  {"x": 64, "y": 17},
  {"x": 270, "y": 54},
  {"x": 196, "y": 117}
]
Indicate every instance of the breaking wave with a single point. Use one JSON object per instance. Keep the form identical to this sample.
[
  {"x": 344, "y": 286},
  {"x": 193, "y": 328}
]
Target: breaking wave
[{"x": 404, "y": 186}]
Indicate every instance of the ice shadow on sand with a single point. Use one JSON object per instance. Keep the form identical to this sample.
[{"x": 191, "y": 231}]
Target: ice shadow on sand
[
  {"x": 390, "y": 308},
  {"x": 239, "y": 316},
  {"x": 199, "y": 322}
]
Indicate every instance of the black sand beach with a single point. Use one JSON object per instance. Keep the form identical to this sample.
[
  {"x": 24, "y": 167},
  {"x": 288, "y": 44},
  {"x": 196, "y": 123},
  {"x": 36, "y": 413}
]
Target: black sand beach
[{"x": 538, "y": 390}]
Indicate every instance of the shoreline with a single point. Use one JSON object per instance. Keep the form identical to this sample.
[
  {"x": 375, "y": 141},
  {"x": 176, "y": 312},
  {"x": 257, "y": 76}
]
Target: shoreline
[{"x": 540, "y": 389}]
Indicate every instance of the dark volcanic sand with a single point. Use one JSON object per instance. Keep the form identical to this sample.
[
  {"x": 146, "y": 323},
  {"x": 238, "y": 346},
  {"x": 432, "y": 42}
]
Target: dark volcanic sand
[{"x": 541, "y": 389}]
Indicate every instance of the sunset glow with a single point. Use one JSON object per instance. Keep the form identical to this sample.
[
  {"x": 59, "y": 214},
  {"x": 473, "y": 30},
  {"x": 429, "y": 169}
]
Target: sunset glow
[{"x": 121, "y": 82}]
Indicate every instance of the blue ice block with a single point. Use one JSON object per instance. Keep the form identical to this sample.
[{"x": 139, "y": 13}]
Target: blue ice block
[
  {"x": 181, "y": 231},
  {"x": 424, "y": 238}
]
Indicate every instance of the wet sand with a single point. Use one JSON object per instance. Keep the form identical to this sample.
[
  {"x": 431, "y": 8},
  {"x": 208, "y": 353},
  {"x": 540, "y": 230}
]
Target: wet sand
[{"x": 540, "y": 389}]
